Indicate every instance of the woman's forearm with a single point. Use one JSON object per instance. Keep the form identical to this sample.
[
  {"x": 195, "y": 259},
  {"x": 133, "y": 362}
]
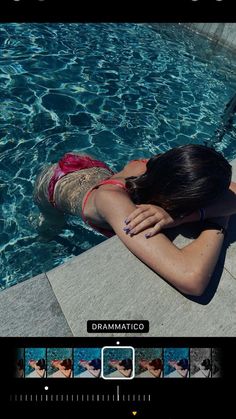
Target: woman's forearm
[
  {"x": 204, "y": 253},
  {"x": 188, "y": 269},
  {"x": 183, "y": 373}
]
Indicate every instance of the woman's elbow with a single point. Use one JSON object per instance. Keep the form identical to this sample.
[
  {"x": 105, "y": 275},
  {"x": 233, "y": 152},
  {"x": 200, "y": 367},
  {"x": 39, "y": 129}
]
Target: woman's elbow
[{"x": 195, "y": 284}]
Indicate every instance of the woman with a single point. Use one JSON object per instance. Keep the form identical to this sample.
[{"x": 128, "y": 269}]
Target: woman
[
  {"x": 181, "y": 368},
  {"x": 93, "y": 367},
  {"x": 185, "y": 184},
  {"x": 39, "y": 368},
  {"x": 154, "y": 367},
  {"x": 204, "y": 369},
  {"x": 64, "y": 368}
]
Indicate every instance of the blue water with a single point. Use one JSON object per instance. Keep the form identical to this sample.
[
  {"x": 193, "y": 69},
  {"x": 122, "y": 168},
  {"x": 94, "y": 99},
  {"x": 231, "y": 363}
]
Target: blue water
[
  {"x": 88, "y": 354},
  {"x": 118, "y": 91},
  {"x": 173, "y": 354},
  {"x": 35, "y": 354},
  {"x": 59, "y": 354},
  {"x": 148, "y": 354},
  {"x": 114, "y": 354}
]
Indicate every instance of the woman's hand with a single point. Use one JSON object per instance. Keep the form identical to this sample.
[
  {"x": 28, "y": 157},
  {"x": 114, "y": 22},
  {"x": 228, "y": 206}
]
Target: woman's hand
[{"x": 146, "y": 216}]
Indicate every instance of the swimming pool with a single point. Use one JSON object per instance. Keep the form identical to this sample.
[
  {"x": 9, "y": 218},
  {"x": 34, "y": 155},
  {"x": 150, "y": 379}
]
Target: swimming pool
[{"x": 117, "y": 91}]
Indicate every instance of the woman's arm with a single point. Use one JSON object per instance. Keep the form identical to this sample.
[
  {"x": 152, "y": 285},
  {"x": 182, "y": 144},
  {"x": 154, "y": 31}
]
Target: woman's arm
[
  {"x": 92, "y": 370},
  {"x": 123, "y": 371},
  {"x": 188, "y": 269},
  {"x": 147, "y": 215},
  {"x": 156, "y": 373},
  {"x": 66, "y": 373},
  {"x": 181, "y": 372},
  {"x": 40, "y": 372},
  {"x": 206, "y": 373}
]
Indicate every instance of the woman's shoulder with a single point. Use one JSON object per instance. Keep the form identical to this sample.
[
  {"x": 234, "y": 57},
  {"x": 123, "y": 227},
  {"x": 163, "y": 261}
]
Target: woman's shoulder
[{"x": 135, "y": 167}]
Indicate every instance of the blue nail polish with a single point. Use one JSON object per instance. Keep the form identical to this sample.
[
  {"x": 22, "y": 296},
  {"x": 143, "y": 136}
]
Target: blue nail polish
[
  {"x": 126, "y": 221},
  {"x": 147, "y": 235},
  {"x": 126, "y": 229}
]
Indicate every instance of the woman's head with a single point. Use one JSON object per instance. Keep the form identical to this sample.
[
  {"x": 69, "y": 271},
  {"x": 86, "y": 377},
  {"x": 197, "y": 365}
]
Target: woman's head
[
  {"x": 183, "y": 363},
  {"x": 95, "y": 363},
  {"x": 41, "y": 364},
  {"x": 126, "y": 363},
  {"x": 67, "y": 364},
  {"x": 206, "y": 364},
  {"x": 182, "y": 179}
]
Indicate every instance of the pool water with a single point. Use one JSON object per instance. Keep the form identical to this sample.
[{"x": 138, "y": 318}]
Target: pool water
[{"x": 118, "y": 91}]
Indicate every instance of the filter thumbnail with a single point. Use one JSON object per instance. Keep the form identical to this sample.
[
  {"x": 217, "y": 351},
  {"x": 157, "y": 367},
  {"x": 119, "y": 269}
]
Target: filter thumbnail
[
  {"x": 148, "y": 363},
  {"x": 200, "y": 362},
  {"x": 176, "y": 362},
  {"x": 117, "y": 363},
  {"x": 59, "y": 362},
  {"x": 19, "y": 369},
  {"x": 216, "y": 363},
  {"x": 35, "y": 362},
  {"x": 87, "y": 362}
]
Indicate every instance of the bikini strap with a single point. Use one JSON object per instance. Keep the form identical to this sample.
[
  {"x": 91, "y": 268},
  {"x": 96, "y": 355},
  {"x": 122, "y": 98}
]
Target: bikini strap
[
  {"x": 111, "y": 182},
  {"x": 103, "y": 182},
  {"x": 142, "y": 160}
]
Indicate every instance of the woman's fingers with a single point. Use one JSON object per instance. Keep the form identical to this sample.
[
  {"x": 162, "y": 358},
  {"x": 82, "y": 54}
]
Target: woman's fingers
[
  {"x": 140, "y": 224},
  {"x": 156, "y": 229},
  {"x": 142, "y": 217},
  {"x": 139, "y": 210},
  {"x": 147, "y": 216}
]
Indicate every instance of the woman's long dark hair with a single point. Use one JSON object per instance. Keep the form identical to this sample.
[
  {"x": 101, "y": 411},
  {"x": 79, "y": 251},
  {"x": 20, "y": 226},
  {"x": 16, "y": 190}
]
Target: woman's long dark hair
[
  {"x": 67, "y": 363},
  {"x": 182, "y": 179},
  {"x": 126, "y": 363},
  {"x": 41, "y": 364},
  {"x": 206, "y": 363},
  {"x": 183, "y": 363},
  {"x": 157, "y": 364}
]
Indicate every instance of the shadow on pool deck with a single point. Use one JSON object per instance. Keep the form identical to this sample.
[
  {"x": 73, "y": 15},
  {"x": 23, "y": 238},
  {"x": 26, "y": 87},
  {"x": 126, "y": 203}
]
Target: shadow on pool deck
[{"x": 108, "y": 282}]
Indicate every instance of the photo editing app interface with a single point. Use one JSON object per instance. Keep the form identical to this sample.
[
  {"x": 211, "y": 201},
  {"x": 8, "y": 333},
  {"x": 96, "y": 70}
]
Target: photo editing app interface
[
  {"x": 117, "y": 207},
  {"x": 100, "y": 374}
]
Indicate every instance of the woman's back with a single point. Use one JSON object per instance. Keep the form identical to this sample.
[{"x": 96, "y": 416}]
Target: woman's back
[{"x": 70, "y": 190}]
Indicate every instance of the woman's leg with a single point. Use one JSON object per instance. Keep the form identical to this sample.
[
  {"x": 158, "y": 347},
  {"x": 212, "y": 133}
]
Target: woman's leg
[{"x": 50, "y": 221}]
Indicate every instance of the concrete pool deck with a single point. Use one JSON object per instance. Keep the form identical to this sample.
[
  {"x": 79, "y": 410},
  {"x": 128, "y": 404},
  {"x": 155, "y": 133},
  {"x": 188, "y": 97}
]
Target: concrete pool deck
[{"x": 108, "y": 282}]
